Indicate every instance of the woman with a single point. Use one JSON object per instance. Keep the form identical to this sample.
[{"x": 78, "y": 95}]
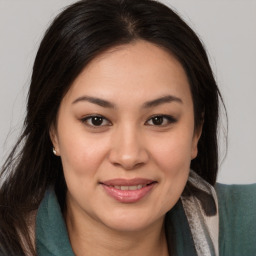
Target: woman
[{"x": 119, "y": 150}]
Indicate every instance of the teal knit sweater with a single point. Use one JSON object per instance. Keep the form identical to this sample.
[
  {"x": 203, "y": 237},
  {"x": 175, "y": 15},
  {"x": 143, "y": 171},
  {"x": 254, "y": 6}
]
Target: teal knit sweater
[{"x": 237, "y": 237}]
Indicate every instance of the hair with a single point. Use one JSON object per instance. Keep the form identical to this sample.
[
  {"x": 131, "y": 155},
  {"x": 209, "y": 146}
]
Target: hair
[{"x": 76, "y": 36}]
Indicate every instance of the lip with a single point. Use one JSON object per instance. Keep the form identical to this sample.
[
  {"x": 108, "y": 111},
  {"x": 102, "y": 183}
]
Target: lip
[
  {"x": 128, "y": 196},
  {"x": 127, "y": 182}
]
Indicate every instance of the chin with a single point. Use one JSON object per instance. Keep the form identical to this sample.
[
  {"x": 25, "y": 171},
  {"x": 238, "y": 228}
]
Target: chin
[
  {"x": 130, "y": 220},
  {"x": 128, "y": 225}
]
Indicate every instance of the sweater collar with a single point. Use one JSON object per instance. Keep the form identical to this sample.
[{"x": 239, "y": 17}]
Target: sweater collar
[
  {"x": 188, "y": 214},
  {"x": 51, "y": 232}
]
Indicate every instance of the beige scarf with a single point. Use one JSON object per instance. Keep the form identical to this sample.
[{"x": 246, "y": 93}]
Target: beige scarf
[{"x": 200, "y": 204}]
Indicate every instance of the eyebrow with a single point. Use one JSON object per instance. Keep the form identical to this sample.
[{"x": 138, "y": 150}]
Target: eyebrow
[
  {"x": 97, "y": 101},
  {"x": 161, "y": 100},
  {"x": 148, "y": 104}
]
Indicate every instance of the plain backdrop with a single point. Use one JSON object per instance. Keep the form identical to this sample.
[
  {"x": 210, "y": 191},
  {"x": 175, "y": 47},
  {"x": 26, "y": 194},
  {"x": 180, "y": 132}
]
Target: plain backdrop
[{"x": 227, "y": 28}]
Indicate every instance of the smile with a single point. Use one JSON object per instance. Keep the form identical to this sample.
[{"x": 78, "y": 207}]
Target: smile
[
  {"x": 130, "y": 187},
  {"x": 128, "y": 191}
]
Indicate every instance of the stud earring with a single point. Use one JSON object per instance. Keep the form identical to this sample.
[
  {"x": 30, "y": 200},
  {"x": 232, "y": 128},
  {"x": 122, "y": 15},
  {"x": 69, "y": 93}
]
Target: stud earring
[{"x": 54, "y": 151}]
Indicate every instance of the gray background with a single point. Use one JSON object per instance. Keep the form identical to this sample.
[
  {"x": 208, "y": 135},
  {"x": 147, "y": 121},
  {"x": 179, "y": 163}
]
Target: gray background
[{"x": 228, "y": 29}]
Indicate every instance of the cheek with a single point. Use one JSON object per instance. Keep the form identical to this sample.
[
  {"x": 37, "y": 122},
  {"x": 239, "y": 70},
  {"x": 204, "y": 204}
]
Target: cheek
[
  {"x": 172, "y": 157},
  {"x": 81, "y": 161},
  {"x": 81, "y": 154},
  {"x": 174, "y": 162},
  {"x": 173, "y": 154}
]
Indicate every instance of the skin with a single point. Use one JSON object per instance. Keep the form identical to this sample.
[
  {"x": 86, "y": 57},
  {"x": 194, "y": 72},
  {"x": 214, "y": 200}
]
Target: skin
[{"x": 128, "y": 144}]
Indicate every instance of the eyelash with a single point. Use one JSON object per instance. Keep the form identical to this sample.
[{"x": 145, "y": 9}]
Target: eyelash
[
  {"x": 87, "y": 118},
  {"x": 167, "y": 118}
]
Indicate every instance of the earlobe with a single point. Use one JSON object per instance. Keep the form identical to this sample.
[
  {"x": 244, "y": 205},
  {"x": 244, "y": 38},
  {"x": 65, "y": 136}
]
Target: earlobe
[
  {"x": 54, "y": 139},
  {"x": 197, "y": 135},
  {"x": 194, "y": 152}
]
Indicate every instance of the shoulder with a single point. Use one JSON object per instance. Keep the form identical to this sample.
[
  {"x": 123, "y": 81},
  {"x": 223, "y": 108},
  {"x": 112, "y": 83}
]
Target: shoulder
[
  {"x": 240, "y": 192},
  {"x": 237, "y": 210},
  {"x": 237, "y": 201}
]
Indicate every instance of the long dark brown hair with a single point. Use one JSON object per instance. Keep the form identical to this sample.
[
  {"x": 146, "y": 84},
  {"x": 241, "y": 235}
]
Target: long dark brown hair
[{"x": 80, "y": 33}]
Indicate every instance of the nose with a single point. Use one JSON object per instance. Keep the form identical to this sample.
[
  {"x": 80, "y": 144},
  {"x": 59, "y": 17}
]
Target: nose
[{"x": 128, "y": 149}]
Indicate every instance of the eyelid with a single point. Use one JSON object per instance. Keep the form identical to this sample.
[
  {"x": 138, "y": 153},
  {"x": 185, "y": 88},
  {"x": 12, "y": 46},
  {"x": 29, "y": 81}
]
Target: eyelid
[
  {"x": 170, "y": 119},
  {"x": 88, "y": 117}
]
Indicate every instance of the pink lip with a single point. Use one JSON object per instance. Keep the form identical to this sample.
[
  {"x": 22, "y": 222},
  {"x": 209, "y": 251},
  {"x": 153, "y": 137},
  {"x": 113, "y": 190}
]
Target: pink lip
[
  {"x": 128, "y": 196},
  {"x": 127, "y": 182}
]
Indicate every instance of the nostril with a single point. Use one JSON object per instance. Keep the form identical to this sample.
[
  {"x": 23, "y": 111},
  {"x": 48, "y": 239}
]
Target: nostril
[
  {"x": 138, "y": 165},
  {"x": 128, "y": 166},
  {"x": 128, "y": 158}
]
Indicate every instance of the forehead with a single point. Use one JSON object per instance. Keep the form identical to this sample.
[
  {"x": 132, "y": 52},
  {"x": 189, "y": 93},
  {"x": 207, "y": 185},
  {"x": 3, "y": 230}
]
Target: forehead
[{"x": 139, "y": 70}]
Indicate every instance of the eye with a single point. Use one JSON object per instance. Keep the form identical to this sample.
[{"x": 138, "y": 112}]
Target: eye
[
  {"x": 161, "y": 120},
  {"x": 95, "y": 121}
]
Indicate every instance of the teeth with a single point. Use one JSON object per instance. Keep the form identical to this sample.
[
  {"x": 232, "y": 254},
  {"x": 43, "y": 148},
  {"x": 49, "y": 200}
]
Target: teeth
[
  {"x": 136, "y": 187},
  {"x": 133, "y": 187}
]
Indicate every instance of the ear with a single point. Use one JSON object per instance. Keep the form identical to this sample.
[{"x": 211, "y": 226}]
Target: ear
[
  {"x": 54, "y": 139},
  {"x": 196, "y": 137}
]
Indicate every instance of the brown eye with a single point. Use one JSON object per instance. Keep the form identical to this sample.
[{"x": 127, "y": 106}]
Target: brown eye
[
  {"x": 157, "y": 120},
  {"x": 96, "y": 121},
  {"x": 161, "y": 120}
]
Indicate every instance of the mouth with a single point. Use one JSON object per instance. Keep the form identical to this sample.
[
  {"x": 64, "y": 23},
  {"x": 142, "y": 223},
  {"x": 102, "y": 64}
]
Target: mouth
[
  {"x": 128, "y": 191},
  {"x": 131, "y": 188}
]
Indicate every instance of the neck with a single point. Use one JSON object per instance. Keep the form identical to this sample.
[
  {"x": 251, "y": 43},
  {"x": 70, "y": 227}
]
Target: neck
[{"x": 93, "y": 238}]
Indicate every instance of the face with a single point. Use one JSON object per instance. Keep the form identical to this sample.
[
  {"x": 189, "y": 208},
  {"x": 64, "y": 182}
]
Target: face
[{"x": 125, "y": 135}]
